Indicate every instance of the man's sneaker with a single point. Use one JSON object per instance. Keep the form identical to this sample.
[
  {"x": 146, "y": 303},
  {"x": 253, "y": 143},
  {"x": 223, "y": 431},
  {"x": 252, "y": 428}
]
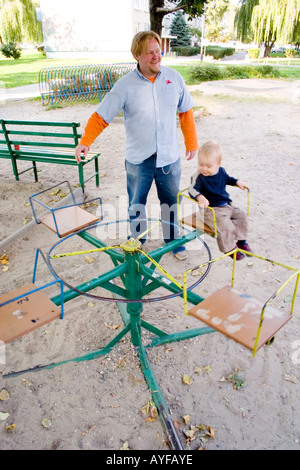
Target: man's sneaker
[
  {"x": 180, "y": 253},
  {"x": 244, "y": 246}
]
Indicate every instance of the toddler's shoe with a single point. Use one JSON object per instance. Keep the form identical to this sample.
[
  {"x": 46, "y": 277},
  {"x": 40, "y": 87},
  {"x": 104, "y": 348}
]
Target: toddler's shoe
[
  {"x": 244, "y": 246},
  {"x": 239, "y": 255}
]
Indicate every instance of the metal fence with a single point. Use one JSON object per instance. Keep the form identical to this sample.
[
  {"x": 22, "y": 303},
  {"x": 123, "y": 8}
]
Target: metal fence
[{"x": 80, "y": 82}]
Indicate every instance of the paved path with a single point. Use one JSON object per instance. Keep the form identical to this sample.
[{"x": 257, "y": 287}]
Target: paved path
[{"x": 19, "y": 93}]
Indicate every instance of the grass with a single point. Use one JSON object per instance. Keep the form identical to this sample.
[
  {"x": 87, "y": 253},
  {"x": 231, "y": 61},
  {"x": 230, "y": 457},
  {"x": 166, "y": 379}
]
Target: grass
[{"x": 25, "y": 71}]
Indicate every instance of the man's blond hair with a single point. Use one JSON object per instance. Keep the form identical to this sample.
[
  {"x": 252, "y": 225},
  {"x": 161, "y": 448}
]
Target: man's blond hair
[
  {"x": 211, "y": 149},
  {"x": 139, "y": 42}
]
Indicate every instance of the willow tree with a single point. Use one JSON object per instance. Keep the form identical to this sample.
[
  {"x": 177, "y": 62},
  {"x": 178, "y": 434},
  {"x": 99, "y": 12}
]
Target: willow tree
[
  {"x": 268, "y": 21},
  {"x": 214, "y": 14},
  {"x": 160, "y": 8},
  {"x": 18, "y": 22}
]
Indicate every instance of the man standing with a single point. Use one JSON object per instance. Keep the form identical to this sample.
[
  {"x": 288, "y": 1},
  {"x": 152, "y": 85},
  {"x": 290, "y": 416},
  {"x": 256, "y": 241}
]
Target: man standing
[{"x": 149, "y": 96}]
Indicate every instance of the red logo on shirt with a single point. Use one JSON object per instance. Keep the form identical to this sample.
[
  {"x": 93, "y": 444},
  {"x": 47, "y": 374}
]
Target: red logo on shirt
[{"x": 167, "y": 82}]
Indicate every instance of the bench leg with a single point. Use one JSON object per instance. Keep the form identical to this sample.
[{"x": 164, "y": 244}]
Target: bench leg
[
  {"x": 81, "y": 179},
  {"x": 97, "y": 172},
  {"x": 15, "y": 169},
  {"x": 35, "y": 171}
]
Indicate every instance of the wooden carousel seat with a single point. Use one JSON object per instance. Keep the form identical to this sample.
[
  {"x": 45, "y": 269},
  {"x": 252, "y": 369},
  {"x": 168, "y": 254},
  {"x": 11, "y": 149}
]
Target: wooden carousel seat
[
  {"x": 30, "y": 311},
  {"x": 237, "y": 316},
  {"x": 68, "y": 220},
  {"x": 194, "y": 220}
]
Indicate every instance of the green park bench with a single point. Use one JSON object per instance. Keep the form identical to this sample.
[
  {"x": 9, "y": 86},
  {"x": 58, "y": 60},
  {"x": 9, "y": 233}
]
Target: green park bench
[{"x": 46, "y": 142}]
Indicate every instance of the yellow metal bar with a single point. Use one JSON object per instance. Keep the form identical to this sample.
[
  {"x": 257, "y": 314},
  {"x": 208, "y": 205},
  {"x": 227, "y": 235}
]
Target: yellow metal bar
[
  {"x": 171, "y": 278},
  {"x": 269, "y": 301},
  {"x": 234, "y": 252},
  {"x": 148, "y": 230},
  {"x": 84, "y": 252},
  {"x": 188, "y": 197}
]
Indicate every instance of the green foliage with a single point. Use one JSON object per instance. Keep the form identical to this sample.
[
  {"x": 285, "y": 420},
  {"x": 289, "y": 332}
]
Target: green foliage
[
  {"x": 208, "y": 72},
  {"x": 18, "y": 21},
  {"x": 253, "y": 53},
  {"x": 180, "y": 29},
  {"x": 267, "y": 21},
  {"x": 205, "y": 72},
  {"x": 218, "y": 52},
  {"x": 215, "y": 29},
  {"x": 290, "y": 53},
  {"x": 186, "y": 51},
  {"x": 11, "y": 50}
]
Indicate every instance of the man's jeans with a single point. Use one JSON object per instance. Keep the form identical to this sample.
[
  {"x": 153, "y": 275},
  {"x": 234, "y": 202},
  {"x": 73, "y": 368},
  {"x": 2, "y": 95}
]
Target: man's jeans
[{"x": 139, "y": 181}]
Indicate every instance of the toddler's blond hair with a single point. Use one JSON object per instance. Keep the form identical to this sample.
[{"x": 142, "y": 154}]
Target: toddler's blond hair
[{"x": 211, "y": 149}]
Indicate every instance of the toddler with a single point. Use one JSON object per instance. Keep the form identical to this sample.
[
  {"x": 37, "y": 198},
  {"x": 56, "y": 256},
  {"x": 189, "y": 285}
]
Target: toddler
[{"x": 208, "y": 188}]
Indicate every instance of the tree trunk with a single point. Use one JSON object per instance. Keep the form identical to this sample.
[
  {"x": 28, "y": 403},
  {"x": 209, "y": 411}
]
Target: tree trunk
[
  {"x": 156, "y": 18},
  {"x": 268, "y": 48}
]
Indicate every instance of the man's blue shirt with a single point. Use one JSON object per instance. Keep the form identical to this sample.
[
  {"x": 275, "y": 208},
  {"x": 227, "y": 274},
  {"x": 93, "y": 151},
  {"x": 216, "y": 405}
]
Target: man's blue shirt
[{"x": 149, "y": 113}]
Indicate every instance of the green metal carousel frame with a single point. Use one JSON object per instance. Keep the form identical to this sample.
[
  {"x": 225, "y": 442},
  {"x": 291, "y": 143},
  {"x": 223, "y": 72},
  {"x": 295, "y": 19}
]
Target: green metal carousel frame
[{"x": 138, "y": 280}]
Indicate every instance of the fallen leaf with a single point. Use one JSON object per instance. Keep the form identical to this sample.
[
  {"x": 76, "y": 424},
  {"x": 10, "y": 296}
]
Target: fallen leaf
[
  {"x": 153, "y": 414},
  {"x": 10, "y": 428},
  {"x": 207, "y": 369},
  {"x": 4, "y": 395},
  {"x": 112, "y": 327},
  {"x": 291, "y": 378},
  {"x": 125, "y": 446},
  {"x": 237, "y": 380},
  {"x": 90, "y": 259},
  {"x": 211, "y": 432},
  {"x": 46, "y": 422},
  {"x": 3, "y": 416},
  {"x": 186, "y": 418},
  {"x": 121, "y": 363},
  {"x": 54, "y": 193},
  {"x": 186, "y": 379},
  {"x": 190, "y": 434}
]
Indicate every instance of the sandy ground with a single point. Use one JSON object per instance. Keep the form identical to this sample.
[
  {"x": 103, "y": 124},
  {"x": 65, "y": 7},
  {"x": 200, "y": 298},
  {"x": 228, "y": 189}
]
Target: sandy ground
[{"x": 97, "y": 404}]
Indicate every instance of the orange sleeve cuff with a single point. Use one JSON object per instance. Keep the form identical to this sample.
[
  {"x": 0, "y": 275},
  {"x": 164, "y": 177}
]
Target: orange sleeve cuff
[
  {"x": 94, "y": 127},
  {"x": 188, "y": 127}
]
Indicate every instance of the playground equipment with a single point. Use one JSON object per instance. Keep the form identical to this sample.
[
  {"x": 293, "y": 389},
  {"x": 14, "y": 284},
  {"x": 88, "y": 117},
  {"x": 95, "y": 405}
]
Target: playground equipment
[
  {"x": 136, "y": 270},
  {"x": 195, "y": 220},
  {"x": 80, "y": 82}
]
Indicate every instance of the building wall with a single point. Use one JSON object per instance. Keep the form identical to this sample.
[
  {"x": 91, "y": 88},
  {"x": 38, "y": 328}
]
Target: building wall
[{"x": 88, "y": 29}]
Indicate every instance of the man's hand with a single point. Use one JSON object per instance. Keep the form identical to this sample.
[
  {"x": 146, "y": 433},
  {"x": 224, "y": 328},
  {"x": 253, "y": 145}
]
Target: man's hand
[
  {"x": 79, "y": 150},
  {"x": 190, "y": 155},
  {"x": 202, "y": 201}
]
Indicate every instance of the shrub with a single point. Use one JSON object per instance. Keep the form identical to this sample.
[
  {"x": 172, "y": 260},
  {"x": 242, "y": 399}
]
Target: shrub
[
  {"x": 41, "y": 49},
  {"x": 205, "y": 72},
  {"x": 11, "y": 50},
  {"x": 219, "y": 52},
  {"x": 290, "y": 53},
  {"x": 208, "y": 72},
  {"x": 253, "y": 53},
  {"x": 186, "y": 50}
]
